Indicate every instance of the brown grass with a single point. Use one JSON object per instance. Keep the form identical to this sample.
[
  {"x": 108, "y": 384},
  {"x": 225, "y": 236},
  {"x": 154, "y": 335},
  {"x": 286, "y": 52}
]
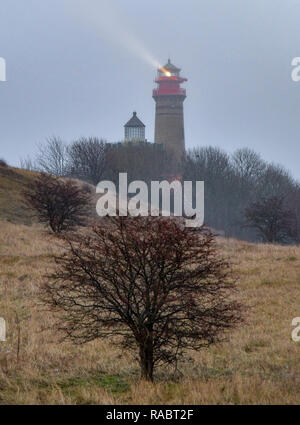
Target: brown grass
[
  {"x": 259, "y": 364},
  {"x": 12, "y": 183}
]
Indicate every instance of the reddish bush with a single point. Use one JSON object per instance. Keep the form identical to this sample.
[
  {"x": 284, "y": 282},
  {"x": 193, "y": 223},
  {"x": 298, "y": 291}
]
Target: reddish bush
[
  {"x": 158, "y": 287},
  {"x": 60, "y": 204}
]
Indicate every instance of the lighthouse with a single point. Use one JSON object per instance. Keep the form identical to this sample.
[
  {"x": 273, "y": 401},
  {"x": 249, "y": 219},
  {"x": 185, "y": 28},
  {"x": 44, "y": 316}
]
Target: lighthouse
[{"x": 169, "y": 122}]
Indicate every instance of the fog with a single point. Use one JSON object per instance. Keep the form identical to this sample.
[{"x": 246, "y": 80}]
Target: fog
[{"x": 80, "y": 67}]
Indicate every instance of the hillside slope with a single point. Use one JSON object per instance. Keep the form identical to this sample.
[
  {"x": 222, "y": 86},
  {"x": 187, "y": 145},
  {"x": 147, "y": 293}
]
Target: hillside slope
[
  {"x": 12, "y": 182},
  {"x": 258, "y": 364}
]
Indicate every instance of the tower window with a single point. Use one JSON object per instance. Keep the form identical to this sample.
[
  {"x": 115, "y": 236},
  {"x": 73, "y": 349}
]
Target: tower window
[{"x": 137, "y": 133}]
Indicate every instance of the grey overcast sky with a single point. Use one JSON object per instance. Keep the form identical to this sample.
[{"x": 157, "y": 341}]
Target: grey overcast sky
[{"x": 80, "y": 67}]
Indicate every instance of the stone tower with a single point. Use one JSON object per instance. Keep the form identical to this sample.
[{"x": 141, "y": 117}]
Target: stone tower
[{"x": 169, "y": 98}]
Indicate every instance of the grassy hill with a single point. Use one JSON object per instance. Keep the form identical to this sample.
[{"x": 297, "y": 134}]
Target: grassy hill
[
  {"x": 12, "y": 183},
  {"x": 259, "y": 364}
]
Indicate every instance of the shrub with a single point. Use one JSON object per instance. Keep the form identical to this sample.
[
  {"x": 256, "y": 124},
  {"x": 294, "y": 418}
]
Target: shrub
[
  {"x": 272, "y": 219},
  {"x": 58, "y": 203},
  {"x": 3, "y": 163},
  {"x": 148, "y": 284}
]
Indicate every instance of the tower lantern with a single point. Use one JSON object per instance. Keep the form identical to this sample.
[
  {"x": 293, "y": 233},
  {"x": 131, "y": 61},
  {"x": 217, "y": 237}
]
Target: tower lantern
[
  {"x": 134, "y": 130},
  {"x": 169, "y": 97}
]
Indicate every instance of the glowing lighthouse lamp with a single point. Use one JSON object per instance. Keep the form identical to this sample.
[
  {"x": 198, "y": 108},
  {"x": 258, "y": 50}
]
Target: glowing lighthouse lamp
[{"x": 169, "y": 80}]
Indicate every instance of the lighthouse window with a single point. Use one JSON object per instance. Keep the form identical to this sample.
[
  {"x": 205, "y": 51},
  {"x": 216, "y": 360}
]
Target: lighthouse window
[
  {"x": 169, "y": 74},
  {"x": 135, "y": 133}
]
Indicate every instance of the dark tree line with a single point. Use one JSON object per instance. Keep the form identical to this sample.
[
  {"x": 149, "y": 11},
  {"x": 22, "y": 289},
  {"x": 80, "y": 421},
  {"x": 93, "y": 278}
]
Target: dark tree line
[
  {"x": 241, "y": 189},
  {"x": 233, "y": 184},
  {"x": 92, "y": 160}
]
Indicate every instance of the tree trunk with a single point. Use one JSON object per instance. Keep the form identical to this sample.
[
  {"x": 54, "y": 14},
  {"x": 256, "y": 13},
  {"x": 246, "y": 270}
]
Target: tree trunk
[{"x": 146, "y": 358}]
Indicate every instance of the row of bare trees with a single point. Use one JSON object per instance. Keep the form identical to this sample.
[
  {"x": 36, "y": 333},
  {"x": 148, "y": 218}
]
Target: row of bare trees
[
  {"x": 236, "y": 186},
  {"x": 93, "y": 159},
  {"x": 245, "y": 196},
  {"x": 84, "y": 159}
]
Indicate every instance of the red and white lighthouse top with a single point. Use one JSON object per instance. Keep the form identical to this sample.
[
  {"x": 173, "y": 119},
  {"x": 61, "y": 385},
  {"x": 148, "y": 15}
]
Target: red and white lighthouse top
[{"x": 168, "y": 81}]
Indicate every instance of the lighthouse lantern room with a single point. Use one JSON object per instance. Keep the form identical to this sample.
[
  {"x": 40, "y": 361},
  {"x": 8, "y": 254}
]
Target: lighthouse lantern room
[{"x": 168, "y": 81}]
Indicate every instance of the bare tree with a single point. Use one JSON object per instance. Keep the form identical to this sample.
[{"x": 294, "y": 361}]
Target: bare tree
[
  {"x": 273, "y": 221},
  {"x": 247, "y": 164},
  {"x": 88, "y": 158},
  {"x": 212, "y": 165},
  {"x": 57, "y": 203},
  {"x": 275, "y": 181},
  {"x": 28, "y": 164},
  {"x": 147, "y": 283},
  {"x": 52, "y": 157}
]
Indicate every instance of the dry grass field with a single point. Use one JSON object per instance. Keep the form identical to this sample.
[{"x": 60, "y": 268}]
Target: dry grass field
[{"x": 259, "y": 364}]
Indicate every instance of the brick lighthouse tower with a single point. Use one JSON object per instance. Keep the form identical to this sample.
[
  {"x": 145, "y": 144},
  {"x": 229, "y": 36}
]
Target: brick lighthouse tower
[{"x": 169, "y": 98}]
